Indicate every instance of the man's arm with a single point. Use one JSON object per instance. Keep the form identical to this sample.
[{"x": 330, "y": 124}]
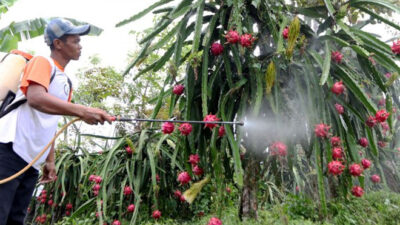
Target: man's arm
[{"x": 39, "y": 99}]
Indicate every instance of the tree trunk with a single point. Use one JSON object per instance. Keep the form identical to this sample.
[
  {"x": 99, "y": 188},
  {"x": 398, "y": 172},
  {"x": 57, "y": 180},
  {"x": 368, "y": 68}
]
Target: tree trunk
[{"x": 248, "y": 199}]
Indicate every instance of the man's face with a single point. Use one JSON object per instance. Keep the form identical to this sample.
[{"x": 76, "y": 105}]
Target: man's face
[{"x": 71, "y": 47}]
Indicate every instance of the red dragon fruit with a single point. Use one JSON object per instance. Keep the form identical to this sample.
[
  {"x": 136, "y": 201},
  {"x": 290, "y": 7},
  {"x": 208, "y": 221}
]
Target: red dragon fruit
[
  {"x": 197, "y": 170},
  {"x": 96, "y": 187},
  {"x": 335, "y": 141},
  {"x": 355, "y": 169},
  {"x": 184, "y": 178},
  {"x": 116, "y": 222},
  {"x": 337, "y": 56},
  {"x": 221, "y": 131},
  {"x": 177, "y": 193},
  {"x": 335, "y": 167},
  {"x": 185, "y": 129},
  {"x": 217, "y": 49},
  {"x": 214, "y": 221},
  {"x": 68, "y": 206},
  {"x": 375, "y": 178},
  {"x": 371, "y": 121},
  {"x": 285, "y": 33},
  {"x": 232, "y": 37},
  {"x": 366, "y": 163},
  {"x": 396, "y": 47},
  {"x": 167, "y": 127},
  {"x": 278, "y": 148},
  {"x": 156, "y": 214},
  {"x": 246, "y": 40},
  {"x": 339, "y": 108},
  {"x": 178, "y": 89},
  {"x": 357, "y": 191},
  {"x": 98, "y": 179},
  {"x": 321, "y": 130},
  {"x": 128, "y": 150},
  {"x": 127, "y": 190},
  {"x": 381, "y": 144},
  {"x": 381, "y": 115},
  {"x": 131, "y": 208},
  {"x": 92, "y": 177},
  {"x": 194, "y": 159},
  {"x": 211, "y": 118},
  {"x": 363, "y": 142},
  {"x": 338, "y": 88},
  {"x": 337, "y": 153}
]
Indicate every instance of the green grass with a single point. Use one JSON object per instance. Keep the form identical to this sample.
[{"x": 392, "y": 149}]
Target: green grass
[{"x": 375, "y": 208}]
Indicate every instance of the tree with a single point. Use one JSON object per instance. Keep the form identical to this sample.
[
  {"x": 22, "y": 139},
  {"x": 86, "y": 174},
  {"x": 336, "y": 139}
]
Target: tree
[{"x": 274, "y": 79}]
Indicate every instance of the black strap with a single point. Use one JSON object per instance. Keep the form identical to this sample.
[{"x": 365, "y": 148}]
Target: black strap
[
  {"x": 4, "y": 57},
  {"x": 12, "y": 107}
]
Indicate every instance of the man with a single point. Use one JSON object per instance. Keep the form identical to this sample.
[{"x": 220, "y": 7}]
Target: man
[{"x": 25, "y": 131}]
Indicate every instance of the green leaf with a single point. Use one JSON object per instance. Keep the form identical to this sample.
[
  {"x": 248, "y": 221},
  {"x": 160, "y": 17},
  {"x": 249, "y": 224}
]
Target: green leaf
[
  {"x": 355, "y": 88},
  {"x": 327, "y": 65},
  {"x": 378, "y": 17},
  {"x": 198, "y": 26},
  {"x": 379, "y": 3},
  {"x": 142, "y": 13},
  {"x": 329, "y": 6}
]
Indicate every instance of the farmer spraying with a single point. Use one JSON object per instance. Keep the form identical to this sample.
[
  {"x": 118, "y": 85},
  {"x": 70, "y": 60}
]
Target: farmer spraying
[{"x": 26, "y": 130}]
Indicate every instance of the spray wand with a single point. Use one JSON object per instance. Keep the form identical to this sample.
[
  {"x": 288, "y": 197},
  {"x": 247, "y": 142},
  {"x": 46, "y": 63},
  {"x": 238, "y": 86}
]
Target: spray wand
[{"x": 124, "y": 119}]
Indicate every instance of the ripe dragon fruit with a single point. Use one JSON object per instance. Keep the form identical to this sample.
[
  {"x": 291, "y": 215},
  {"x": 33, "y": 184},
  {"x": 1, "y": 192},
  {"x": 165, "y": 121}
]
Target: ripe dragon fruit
[
  {"x": 246, "y": 40},
  {"x": 214, "y": 221},
  {"x": 156, "y": 214},
  {"x": 357, "y": 191},
  {"x": 381, "y": 115},
  {"x": 184, "y": 178},
  {"x": 355, "y": 169},
  {"x": 337, "y": 153},
  {"x": 177, "y": 193},
  {"x": 339, "y": 108},
  {"x": 335, "y": 167},
  {"x": 363, "y": 142},
  {"x": 365, "y": 163},
  {"x": 375, "y": 178},
  {"x": 232, "y": 37},
  {"x": 178, "y": 89},
  {"x": 197, "y": 170},
  {"x": 217, "y": 49},
  {"x": 127, "y": 190},
  {"x": 128, "y": 150},
  {"x": 194, "y": 159},
  {"x": 211, "y": 118},
  {"x": 285, "y": 33},
  {"x": 278, "y": 148},
  {"x": 116, "y": 222},
  {"x": 321, "y": 130},
  {"x": 337, "y": 56},
  {"x": 167, "y": 127},
  {"x": 185, "y": 129},
  {"x": 221, "y": 131},
  {"x": 335, "y": 141},
  {"x": 337, "y": 88},
  {"x": 371, "y": 121},
  {"x": 131, "y": 208},
  {"x": 396, "y": 47}
]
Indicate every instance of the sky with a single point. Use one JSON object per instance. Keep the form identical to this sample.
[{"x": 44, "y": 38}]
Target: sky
[{"x": 112, "y": 46}]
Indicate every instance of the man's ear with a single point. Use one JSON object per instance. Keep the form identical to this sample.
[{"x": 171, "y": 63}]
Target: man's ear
[{"x": 57, "y": 43}]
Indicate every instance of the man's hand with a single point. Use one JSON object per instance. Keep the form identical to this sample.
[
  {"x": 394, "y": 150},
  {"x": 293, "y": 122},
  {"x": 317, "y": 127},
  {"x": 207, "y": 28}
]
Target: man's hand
[
  {"x": 49, "y": 173},
  {"x": 94, "y": 116}
]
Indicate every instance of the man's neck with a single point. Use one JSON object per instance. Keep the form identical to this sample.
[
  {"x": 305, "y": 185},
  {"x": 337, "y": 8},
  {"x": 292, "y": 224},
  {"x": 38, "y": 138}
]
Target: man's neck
[{"x": 59, "y": 58}]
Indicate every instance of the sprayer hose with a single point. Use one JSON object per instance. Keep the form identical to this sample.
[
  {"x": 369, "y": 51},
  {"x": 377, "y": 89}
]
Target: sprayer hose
[{"x": 40, "y": 154}]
